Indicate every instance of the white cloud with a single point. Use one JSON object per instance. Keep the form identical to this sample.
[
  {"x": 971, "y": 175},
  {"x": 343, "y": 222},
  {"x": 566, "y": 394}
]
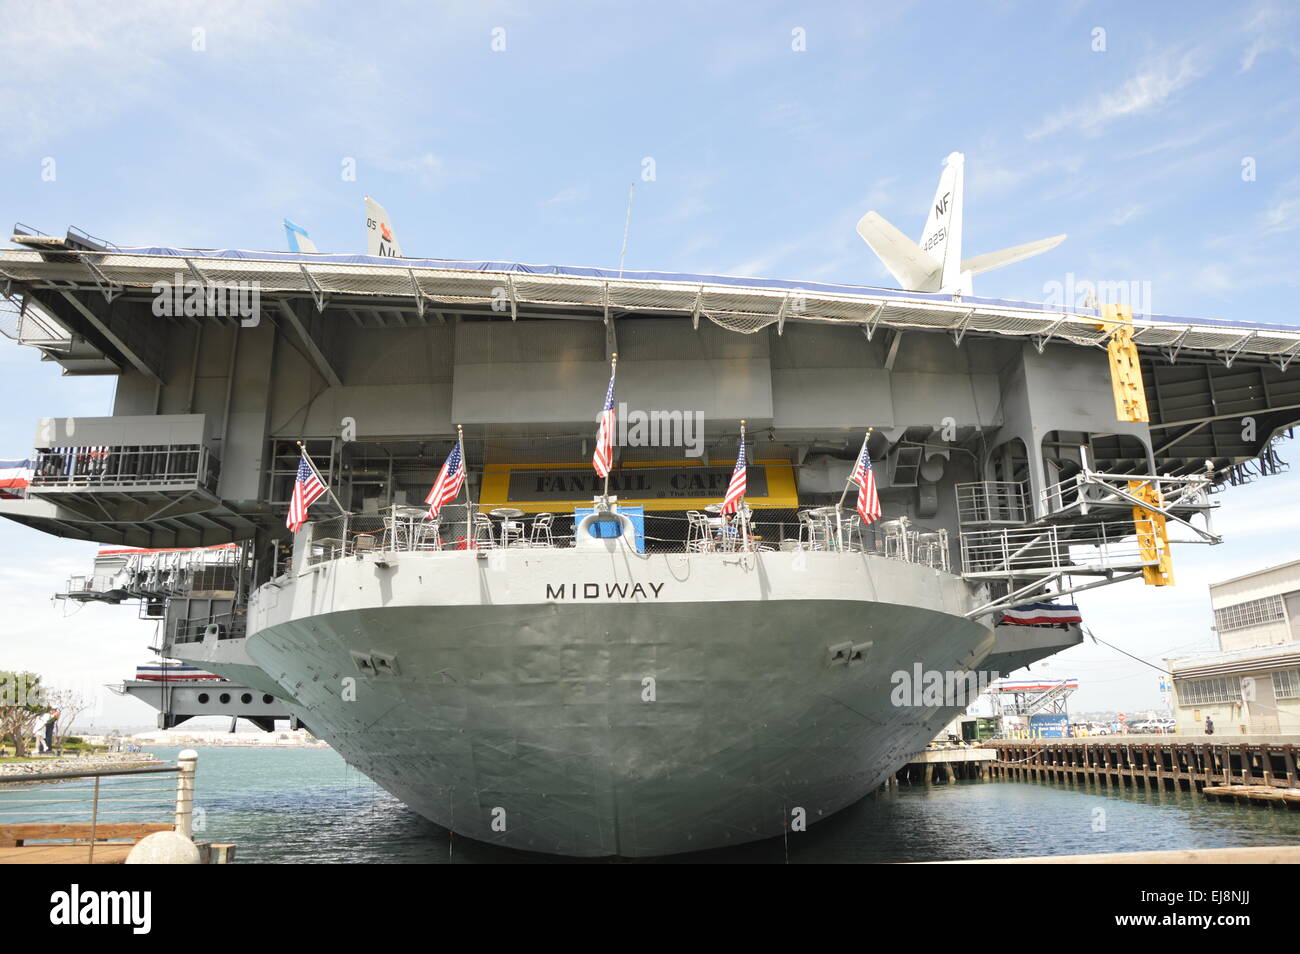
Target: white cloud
[
  {"x": 100, "y": 61},
  {"x": 1180, "y": 142},
  {"x": 1267, "y": 29},
  {"x": 1146, "y": 92},
  {"x": 1282, "y": 215},
  {"x": 1127, "y": 214},
  {"x": 564, "y": 196},
  {"x": 426, "y": 169}
]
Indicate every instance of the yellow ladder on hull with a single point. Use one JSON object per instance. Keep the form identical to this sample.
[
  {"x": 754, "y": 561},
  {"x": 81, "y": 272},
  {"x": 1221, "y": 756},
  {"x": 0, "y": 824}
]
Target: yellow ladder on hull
[
  {"x": 1125, "y": 364},
  {"x": 1131, "y": 405}
]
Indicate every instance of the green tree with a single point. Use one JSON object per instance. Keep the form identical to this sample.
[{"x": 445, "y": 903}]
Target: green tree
[{"x": 22, "y": 703}]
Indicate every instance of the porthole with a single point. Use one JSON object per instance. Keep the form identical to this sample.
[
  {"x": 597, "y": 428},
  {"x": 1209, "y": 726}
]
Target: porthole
[
  {"x": 203, "y": 698},
  {"x": 225, "y": 698}
]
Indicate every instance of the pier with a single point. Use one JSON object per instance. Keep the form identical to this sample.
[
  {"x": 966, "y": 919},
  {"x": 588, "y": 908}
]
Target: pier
[
  {"x": 40, "y": 815},
  {"x": 1252, "y": 768},
  {"x": 945, "y": 765}
]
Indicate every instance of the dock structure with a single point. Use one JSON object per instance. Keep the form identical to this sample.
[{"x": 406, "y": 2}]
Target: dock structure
[
  {"x": 945, "y": 765},
  {"x": 1252, "y": 855},
  {"x": 1254, "y": 795},
  {"x": 1245, "y": 764}
]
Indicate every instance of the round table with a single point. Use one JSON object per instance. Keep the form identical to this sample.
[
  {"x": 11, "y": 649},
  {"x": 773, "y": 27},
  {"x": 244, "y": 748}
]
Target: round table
[
  {"x": 505, "y": 515},
  {"x": 826, "y": 520},
  {"x": 406, "y": 520}
]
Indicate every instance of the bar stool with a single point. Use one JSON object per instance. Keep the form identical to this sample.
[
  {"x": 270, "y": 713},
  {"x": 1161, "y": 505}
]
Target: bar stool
[
  {"x": 813, "y": 532},
  {"x": 932, "y": 549},
  {"x": 851, "y": 525},
  {"x": 541, "y": 533},
  {"x": 484, "y": 533},
  {"x": 428, "y": 535},
  {"x": 512, "y": 533},
  {"x": 699, "y": 535},
  {"x": 896, "y": 538}
]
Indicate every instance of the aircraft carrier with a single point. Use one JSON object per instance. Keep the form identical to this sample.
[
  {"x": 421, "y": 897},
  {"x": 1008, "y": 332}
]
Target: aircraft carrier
[{"x": 624, "y": 676}]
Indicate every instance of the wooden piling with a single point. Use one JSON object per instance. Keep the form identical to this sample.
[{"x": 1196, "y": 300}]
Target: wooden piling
[{"x": 1173, "y": 763}]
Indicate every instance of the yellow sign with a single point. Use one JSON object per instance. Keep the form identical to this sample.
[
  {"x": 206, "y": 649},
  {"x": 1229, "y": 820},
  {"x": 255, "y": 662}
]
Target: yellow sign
[{"x": 655, "y": 485}]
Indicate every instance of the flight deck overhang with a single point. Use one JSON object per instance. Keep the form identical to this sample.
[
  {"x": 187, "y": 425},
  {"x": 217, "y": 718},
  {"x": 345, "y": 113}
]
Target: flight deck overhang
[{"x": 432, "y": 289}]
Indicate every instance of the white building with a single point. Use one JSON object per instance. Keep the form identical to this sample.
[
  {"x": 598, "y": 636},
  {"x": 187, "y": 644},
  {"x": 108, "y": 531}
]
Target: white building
[
  {"x": 1258, "y": 609},
  {"x": 1252, "y": 684}
]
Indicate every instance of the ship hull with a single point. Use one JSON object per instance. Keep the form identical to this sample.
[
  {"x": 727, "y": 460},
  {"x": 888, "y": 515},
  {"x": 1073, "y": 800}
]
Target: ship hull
[{"x": 707, "y": 708}]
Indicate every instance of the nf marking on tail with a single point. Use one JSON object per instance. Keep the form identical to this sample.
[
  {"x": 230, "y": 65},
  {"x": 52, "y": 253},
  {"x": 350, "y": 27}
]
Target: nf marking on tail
[{"x": 934, "y": 264}]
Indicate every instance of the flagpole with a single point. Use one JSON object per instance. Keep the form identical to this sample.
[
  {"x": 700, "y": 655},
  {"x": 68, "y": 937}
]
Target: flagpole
[
  {"x": 744, "y": 524},
  {"x": 469, "y": 503},
  {"x": 613, "y": 373},
  {"x": 312, "y": 464},
  {"x": 849, "y": 482},
  {"x": 839, "y": 524},
  {"x": 472, "y": 508}
]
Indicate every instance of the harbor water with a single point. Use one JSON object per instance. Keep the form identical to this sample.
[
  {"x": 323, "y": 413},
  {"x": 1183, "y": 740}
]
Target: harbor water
[{"x": 307, "y": 805}]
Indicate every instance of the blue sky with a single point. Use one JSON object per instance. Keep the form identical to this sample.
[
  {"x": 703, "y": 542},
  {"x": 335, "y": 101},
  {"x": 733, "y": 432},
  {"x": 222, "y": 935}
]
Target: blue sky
[{"x": 763, "y": 156}]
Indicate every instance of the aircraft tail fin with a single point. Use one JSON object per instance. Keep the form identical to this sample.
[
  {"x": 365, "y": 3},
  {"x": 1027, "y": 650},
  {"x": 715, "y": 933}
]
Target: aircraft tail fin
[
  {"x": 941, "y": 238},
  {"x": 912, "y": 268},
  {"x": 379, "y": 232},
  {"x": 934, "y": 264},
  {"x": 1008, "y": 256},
  {"x": 299, "y": 240}
]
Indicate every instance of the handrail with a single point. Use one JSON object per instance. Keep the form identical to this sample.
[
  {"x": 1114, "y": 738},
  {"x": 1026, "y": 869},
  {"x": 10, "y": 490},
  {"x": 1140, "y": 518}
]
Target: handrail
[
  {"x": 992, "y": 501},
  {"x": 392, "y": 531},
  {"x": 90, "y": 773},
  {"x": 1046, "y": 548},
  {"x": 124, "y": 465},
  {"x": 133, "y": 797},
  {"x": 1191, "y": 490}
]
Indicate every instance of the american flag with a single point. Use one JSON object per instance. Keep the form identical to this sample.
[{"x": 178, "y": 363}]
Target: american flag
[
  {"x": 865, "y": 478},
  {"x": 603, "y": 459},
  {"x": 736, "y": 489},
  {"x": 450, "y": 479},
  {"x": 306, "y": 489}
]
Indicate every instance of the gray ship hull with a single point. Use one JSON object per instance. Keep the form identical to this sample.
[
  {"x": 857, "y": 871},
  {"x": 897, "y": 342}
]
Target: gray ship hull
[{"x": 706, "y": 707}]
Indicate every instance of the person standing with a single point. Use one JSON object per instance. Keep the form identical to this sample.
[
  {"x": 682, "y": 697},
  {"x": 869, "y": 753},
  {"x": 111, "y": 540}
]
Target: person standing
[
  {"x": 41, "y": 732},
  {"x": 51, "y": 723},
  {"x": 1209, "y": 726}
]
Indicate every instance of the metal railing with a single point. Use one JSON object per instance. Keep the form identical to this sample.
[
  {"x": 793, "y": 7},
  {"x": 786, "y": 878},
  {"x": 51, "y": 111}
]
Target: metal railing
[
  {"x": 123, "y": 466},
  {"x": 162, "y": 573},
  {"x": 23, "y": 323},
  {"x": 993, "y": 501},
  {"x": 229, "y": 626},
  {"x": 1040, "y": 550},
  {"x": 1089, "y": 489},
  {"x": 406, "y": 529},
  {"x": 87, "y": 808}
]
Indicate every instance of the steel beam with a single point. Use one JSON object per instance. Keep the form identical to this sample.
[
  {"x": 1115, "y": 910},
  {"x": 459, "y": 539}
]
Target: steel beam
[
  {"x": 317, "y": 356},
  {"x": 137, "y": 360}
]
